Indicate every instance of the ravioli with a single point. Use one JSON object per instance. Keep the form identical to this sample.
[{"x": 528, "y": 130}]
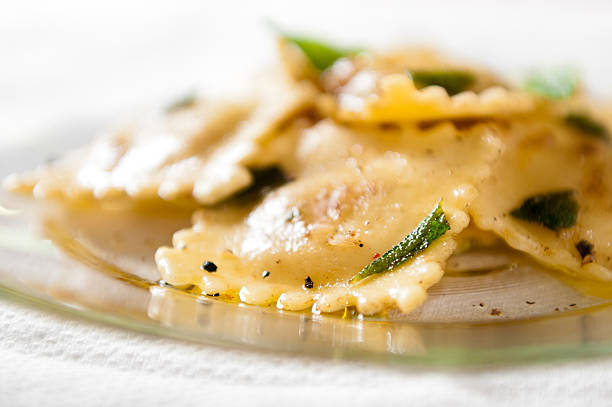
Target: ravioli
[
  {"x": 195, "y": 152},
  {"x": 348, "y": 204},
  {"x": 366, "y": 143},
  {"x": 546, "y": 156},
  {"x": 371, "y": 97},
  {"x": 376, "y": 87}
]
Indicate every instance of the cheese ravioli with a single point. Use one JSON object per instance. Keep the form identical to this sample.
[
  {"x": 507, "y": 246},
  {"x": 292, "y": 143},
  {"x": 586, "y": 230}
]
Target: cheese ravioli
[
  {"x": 546, "y": 156},
  {"x": 389, "y": 162},
  {"x": 199, "y": 151},
  {"x": 355, "y": 201},
  {"x": 407, "y": 85}
]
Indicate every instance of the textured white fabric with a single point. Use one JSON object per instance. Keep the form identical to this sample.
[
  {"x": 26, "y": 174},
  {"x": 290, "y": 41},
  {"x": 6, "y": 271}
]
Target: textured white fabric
[
  {"x": 71, "y": 61},
  {"x": 48, "y": 359}
]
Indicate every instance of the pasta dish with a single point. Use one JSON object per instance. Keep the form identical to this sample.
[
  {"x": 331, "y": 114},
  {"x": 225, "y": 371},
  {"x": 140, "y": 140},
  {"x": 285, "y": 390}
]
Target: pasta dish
[{"x": 350, "y": 177}]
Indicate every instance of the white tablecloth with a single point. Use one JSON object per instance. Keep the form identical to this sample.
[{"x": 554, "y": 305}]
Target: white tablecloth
[
  {"x": 70, "y": 61},
  {"x": 50, "y": 360}
]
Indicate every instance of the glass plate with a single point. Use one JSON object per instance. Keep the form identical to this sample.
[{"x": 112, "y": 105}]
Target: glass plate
[{"x": 96, "y": 262}]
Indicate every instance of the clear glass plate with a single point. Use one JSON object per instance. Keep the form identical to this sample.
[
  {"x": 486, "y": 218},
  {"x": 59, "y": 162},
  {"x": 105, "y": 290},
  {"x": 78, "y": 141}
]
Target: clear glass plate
[{"x": 96, "y": 262}]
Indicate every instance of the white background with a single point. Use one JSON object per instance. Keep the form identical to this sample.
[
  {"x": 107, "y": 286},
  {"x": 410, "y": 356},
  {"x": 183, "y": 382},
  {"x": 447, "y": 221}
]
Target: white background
[{"x": 78, "y": 61}]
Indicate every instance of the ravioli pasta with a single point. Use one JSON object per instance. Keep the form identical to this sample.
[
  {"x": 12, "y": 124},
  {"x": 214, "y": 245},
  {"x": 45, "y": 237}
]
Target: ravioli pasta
[
  {"x": 378, "y": 88},
  {"x": 545, "y": 157},
  {"x": 371, "y": 145},
  {"x": 370, "y": 97},
  {"x": 200, "y": 150},
  {"x": 337, "y": 217}
]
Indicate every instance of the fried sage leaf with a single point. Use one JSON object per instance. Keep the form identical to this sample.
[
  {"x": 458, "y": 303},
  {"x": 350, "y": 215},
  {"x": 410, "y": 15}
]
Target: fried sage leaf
[
  {"x": 453, "y": 81},
  {"x": 184, "y": 102},
  {"x": 557, "y": 210},
  {"x": 554, "y": 83},
  {"x": 320, "y": 54},
  {"x": 587, "y": 125},
  {"x": 430, "y": 228}
]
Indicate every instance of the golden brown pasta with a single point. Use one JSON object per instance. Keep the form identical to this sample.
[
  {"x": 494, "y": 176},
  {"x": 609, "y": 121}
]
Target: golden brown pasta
[{"x": 368, "y": 144}]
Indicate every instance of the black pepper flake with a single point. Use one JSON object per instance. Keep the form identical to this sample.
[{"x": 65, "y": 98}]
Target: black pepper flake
[
  {"x": 209, "y": 266},
  {"x": 572, "y": 305},
  {"x": 388, "y": 126},
  {"x": 481, "y": 304},
  {"x": 294, "y": 213},
  {"x": 265, "y": 274},
  {"x": 308, "y": 283},
  {"x": 495, "y": 312},
  {"x": 585, "y": 248},
  {"x": 557, "y": 309},
  {"x": 360, "y": 244},
  {"x": 530, "y": 302},
  {"x": 213, "y": 295}
]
